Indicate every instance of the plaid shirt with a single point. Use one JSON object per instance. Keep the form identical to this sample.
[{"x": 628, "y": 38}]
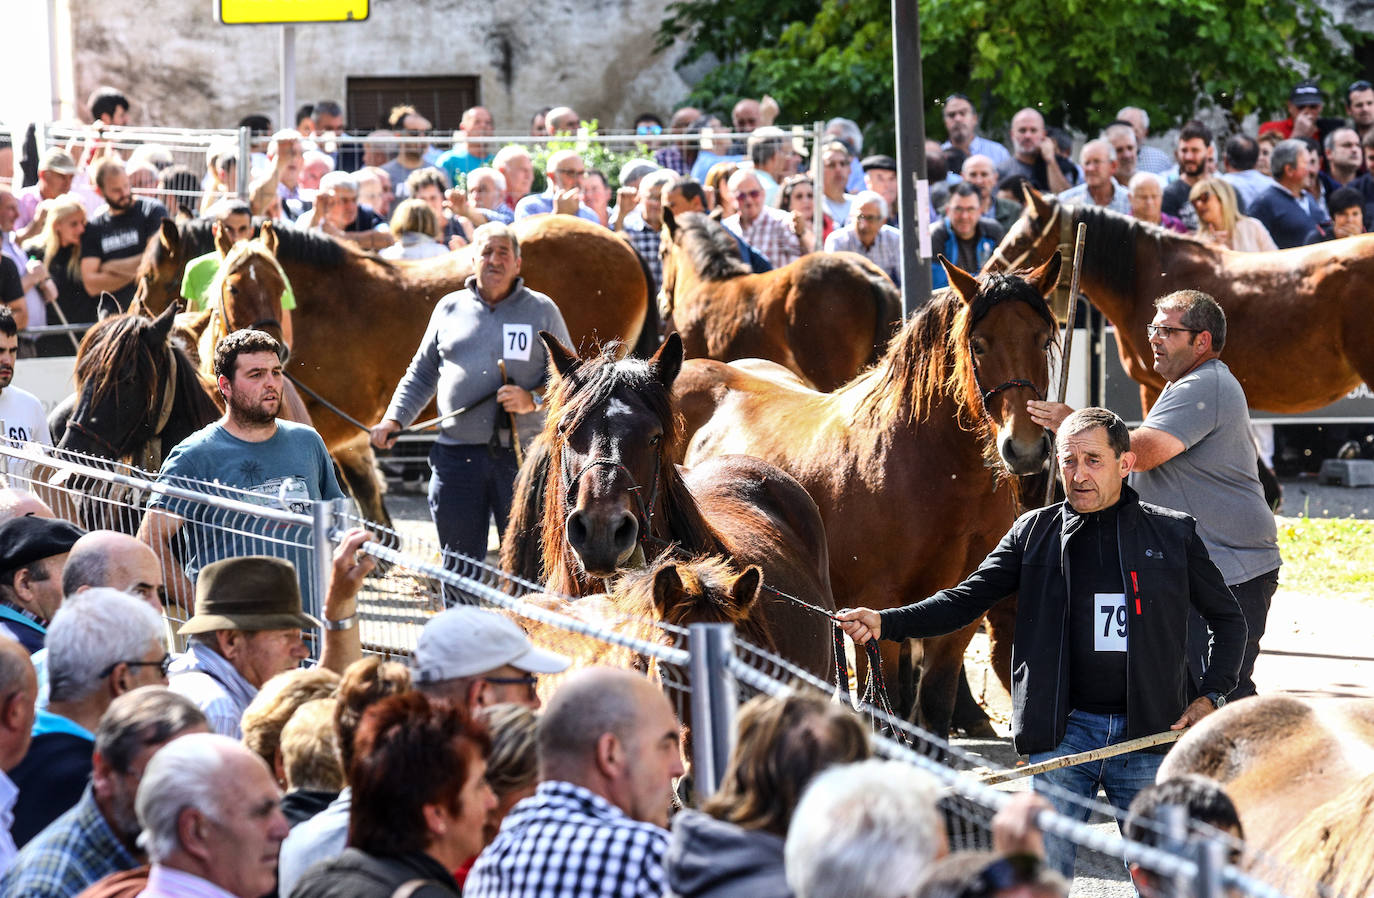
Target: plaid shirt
[
  {"x": 770, "y": 235},
  {"x": 672, "y": 157},
  {"x": 75, "y": 850},
  {"x": 214, "y": 686},
  {"x": 886, "y": 251},
  {"x": 568, "y": 842},
  {"x": 645, "y": 241}
]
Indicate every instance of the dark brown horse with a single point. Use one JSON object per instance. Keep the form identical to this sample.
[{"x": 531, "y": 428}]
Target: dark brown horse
[
  {"x": 1299, "y": 333},
  {"x": 1299, "y": 773},
  {"x": 600, "y": 493},
  {"x": 826, "y": 316},
  {"x": 910, "y": 462},
  {"x": 359, "y": 318}
]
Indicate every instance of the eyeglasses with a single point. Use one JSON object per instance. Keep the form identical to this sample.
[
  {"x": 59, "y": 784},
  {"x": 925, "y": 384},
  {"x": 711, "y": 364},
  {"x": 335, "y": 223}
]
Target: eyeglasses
[
  {"x": 164, "y": 665},
  {"x": 1003, "y": 874},
  {"x": 1160, "y": 330},
  {"x": 748, "y": 194},
  {"x": 872, "y": 219},
  {"x": 530, "y": 682},
  {"x": 570, "y": 173}
]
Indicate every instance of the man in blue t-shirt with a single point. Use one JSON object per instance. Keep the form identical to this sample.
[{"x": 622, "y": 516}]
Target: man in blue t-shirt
[{"x": 246, "y": 456}]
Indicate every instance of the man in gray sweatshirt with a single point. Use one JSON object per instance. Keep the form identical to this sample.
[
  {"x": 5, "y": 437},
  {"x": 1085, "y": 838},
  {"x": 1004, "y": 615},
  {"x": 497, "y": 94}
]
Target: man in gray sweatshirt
[{"x": 495, "y": 317}]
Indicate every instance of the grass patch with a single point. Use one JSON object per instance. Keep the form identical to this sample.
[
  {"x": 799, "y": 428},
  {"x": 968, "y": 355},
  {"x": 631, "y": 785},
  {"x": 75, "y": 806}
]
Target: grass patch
[{"x": 1333, "y": 556}]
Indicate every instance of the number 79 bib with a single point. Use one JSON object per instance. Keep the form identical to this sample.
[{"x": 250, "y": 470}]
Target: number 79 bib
[{"x": 1109, "y": 617}]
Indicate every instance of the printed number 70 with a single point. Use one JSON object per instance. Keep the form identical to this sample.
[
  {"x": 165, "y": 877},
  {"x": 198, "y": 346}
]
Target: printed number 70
[{"x": 519, "y": 340}]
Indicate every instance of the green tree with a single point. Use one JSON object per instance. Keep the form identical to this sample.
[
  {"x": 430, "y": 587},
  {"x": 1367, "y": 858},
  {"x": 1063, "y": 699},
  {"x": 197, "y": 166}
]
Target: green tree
[{"x": 1079, "y": 62}]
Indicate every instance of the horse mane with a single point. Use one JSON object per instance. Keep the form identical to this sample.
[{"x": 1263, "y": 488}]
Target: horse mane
[
  {"x": 111, "y": 348},
  {"x": 1327, "y": 852},
  {"x": 713, "y": 251},
  {"x": 296, "y": 244},
  {"x": 583, "y": 392},
  {"x": 1109, "y": 257},
  {"x": 930, "y": 360}
]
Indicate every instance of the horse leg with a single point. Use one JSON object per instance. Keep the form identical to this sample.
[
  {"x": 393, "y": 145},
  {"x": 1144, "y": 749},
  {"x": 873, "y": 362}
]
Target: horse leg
[
  {"x": 969, "y": 717},
  {"x": 358, "y": 467},
  {"x": 944, "y": 658},
  {"x": 1001, "y": 628}
]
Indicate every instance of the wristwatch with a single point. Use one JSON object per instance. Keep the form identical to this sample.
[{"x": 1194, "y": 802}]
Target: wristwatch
[
  {"x": 1216, "y": 698},
  {"x": 537, "y": 399},
  {"x": 343, "y": 623}
]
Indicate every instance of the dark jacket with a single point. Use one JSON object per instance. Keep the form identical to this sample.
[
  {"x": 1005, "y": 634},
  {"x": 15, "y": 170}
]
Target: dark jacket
[
  {"x": 1165, "y": 569},
  {"x": 357, "y": 874},
  {"x": 710, "y": 858}
]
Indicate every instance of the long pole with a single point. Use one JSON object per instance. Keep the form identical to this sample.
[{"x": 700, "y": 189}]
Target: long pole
[
  {"x": 913, "y": 191},
  {"x": 1083, "y": 757},
  {"x": 1080, "y": 238},
  {"x": 286, "y": 73},
  {"x": 817, "y": 173}
]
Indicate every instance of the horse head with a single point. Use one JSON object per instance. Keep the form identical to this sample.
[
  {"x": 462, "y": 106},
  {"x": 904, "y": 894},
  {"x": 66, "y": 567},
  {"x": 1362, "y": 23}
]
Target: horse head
[
  {"x": 611, "y": 430},
  {"x": 248, "y": 288},
  {"x": 159, "y": 272},
  {"x": 1044, "y": 225},
  {"x": 669, "y": 258},
  {"x": 125, "y": 383},
  {"x": 705, "y": 591},
  {"x": 1008, "y": 332}
]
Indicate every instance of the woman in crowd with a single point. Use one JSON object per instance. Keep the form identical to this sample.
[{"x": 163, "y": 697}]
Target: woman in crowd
[
  {"x": 273, "y": 706},
  {"x": 733, "y": 846},
  {"x": 420, "y": 797},
  {"x": 416, "y": 229},
  {"x": 798, "y": 195},
  {"x": 715, "y": 182},
  {"x": 1221, "y": 223},
  {"x": 58, "y": 247},
  {"x": 512, "y": 766},
  {"x": 596, "y": 193}
]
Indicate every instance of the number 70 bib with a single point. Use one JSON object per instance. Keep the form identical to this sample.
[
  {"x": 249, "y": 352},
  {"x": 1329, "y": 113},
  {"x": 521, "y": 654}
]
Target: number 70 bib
[{"x": 516, "y": 342}]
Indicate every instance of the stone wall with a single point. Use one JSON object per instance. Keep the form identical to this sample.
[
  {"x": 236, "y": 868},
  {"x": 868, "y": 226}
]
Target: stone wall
[{"x": 181, "y": 68}]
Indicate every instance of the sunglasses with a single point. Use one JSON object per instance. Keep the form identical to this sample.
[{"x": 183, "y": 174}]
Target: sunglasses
[
  {"x": 649, "y": 129},
  {"x": 531, "y": 682},
  {"x": 748, "y": 194}
]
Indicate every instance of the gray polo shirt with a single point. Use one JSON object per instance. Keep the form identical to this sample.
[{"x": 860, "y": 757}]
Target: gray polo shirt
[
  {"x": 1215, "y": 479},
  {"x": 456, "y": 361}
]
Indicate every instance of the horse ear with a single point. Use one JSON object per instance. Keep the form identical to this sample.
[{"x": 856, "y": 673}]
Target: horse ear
[
  {"x": 162, "y": 324},
  {"x": 669, "y": 221},
  {"x": 667, "y": 587},
  {"x": 268, "y": 236},
  {"x": 564, "y": 360},
  {"x": 1046, "y": 277},
  {"x": 1035, "y": 201},
  {"x": 223, "y": 242},
  {"x": 107, "y": 306},
  {"x": 169, "y": 235},
  {"x": 964, "y": 284},
  {"x": 745, "y": 589},
  {"x": 668, "y": 360}
]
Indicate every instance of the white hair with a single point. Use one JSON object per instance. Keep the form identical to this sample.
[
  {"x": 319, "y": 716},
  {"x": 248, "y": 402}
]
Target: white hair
[
  {"x": 863, "y": 198},
  {"x": 1139, "y": 178},
  {"x": 94, "y": 629},
  {"x": 336, "y": 179},
  {"x": 187, "y": 772},
  {"x": 484, "y": 172},
  {"x": 507, "y": 153},
  {"x": 869, "y": 828},
  {"x": 849, "y": 130}
]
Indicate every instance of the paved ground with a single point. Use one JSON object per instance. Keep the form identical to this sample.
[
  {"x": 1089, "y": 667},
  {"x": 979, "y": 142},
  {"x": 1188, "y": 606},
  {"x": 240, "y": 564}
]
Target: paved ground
[{"x": 1315, "y": 646}]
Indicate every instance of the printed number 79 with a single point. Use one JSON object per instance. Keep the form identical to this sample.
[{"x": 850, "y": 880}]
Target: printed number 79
[{"x": 1107, "y": 615}]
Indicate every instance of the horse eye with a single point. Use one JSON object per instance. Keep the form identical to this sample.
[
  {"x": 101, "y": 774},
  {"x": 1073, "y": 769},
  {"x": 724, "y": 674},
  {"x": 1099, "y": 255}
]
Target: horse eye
[
  {"x": 655, "y": 439},
  {"x": 979, "y": 347}
]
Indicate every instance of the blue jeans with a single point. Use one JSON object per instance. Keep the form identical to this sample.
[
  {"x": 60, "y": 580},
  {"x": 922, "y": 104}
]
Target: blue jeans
[
  {"x": 1121, "y": 777},
  {"x": 470, "y": 486}
]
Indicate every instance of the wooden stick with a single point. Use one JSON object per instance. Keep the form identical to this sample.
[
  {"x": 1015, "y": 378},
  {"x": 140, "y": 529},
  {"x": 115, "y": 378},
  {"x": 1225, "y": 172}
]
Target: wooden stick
[
  {"x": 514, "y": 430},
  {"x": 1083, "y": 757},
  {"x": 1080, "y": 238}
]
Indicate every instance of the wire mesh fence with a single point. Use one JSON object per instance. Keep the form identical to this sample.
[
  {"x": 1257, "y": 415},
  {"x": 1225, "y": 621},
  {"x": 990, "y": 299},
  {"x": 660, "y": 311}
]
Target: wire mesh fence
[{"x": 703, "y": 669}]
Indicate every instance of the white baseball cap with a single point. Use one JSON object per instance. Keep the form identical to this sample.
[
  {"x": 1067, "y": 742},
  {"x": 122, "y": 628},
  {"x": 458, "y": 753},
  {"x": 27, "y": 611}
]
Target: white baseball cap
[{"x": 464, "y": 641}]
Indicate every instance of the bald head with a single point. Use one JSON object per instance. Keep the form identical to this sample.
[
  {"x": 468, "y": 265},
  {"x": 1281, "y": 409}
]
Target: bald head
[
  {"x": 561, "y": 120},
  {"x": 590, "y": 704},
  {"x": 115, "y": 560},
  {"x": 18, "y": 691},
  {"x": 17, "y": 503},
  {"x": 746, "y": 116}
]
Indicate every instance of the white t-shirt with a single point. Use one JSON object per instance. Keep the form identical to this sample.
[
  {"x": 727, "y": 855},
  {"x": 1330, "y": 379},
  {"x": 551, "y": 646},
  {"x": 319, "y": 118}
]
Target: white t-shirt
[{"x": 23, "y": 419}]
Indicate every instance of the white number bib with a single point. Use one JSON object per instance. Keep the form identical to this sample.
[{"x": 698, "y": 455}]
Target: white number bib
[
  {"x": 1109, "y": 634},
  {"x": 516, "y": 340}
]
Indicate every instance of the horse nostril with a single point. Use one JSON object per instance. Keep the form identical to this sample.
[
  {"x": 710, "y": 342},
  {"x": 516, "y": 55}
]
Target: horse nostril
[
  {"x": 577, "y": 530},
  {"x": 624, "y": 536}
]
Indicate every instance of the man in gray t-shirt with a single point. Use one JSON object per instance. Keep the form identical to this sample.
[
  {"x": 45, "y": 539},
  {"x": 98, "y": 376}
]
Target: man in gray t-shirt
[
  {"x": 496, "y": 318},
  {"x": 1194, "y": 453}
]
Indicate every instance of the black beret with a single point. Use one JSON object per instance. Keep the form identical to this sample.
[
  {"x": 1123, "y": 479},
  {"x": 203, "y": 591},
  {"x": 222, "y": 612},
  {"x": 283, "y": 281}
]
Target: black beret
[{"x": 28, "y": 539}]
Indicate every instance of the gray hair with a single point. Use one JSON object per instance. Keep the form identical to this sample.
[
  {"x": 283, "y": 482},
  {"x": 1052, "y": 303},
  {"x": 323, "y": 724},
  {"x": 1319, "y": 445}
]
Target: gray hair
[
  {"x": 1285, "y": 154},
  {"x": 588, "y": 705},
  {"x": 1123, "y": 129},
  {"x": 863, "y": 198},
  {"x": 850, "y": 131},
  {"x": 869, "y": 828},
  {"x": 1141, "y": 177},
  {"x": 93, "y": 630},
  {"x": 149, "y": 715},
  {"x": 495, "y": 230},
  {"x": 336, "y": 179},
  {"x": 485, "y": 172},
  {"x": 1144, "y": 116},
  {"x": 507, "y": 153},
  {"x": 186, "y": 773},
  {"x": 1200, "y": 311}
]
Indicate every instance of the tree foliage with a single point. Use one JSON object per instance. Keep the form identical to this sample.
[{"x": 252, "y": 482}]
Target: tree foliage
[{"x": 1078, "y": 61}]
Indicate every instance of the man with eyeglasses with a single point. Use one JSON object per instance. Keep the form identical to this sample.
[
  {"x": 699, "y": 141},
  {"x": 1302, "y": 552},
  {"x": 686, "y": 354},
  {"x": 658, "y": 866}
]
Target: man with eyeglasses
[
  {"x": 476, "y": 659},
  {"x": 1195, "y": 454},
  {"x": 962, "y": 234},
  {"x": 763, "y": 227},
  {"x": 563, "y": 195},
  {"x": 101, "y": 644},
  {"x": 869, "y": 235}
]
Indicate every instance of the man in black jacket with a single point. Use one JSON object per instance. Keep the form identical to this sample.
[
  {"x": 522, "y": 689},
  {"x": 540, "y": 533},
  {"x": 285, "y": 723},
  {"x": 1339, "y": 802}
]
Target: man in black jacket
[{"x": 1105, "y": 584}]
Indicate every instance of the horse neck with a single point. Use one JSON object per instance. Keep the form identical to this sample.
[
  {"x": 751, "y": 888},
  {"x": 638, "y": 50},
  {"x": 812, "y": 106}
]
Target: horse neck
[
  {"x": 678, "y": 517},
  {"x": 193, "y": 407}
]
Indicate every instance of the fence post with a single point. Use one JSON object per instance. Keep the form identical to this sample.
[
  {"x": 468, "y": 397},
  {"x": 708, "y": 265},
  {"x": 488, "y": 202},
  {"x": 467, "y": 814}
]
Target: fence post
[
  {"x": 245, "y": 167},
  {"x": 1211, "y": 858},
  {"x": 322, "y": 557},
  {"x": 713, "y": 702},
  {"x": 818, "y": 185}
]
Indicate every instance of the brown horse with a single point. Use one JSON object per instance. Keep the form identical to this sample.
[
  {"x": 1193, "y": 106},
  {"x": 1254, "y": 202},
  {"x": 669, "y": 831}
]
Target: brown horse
[
  {"x": 909, "y": 462},
  {"x": 1299, "y": 774},
  {"x": 826, "y": 316},
  {"x": 600, "y": 493},
  {"x": 359, "y": 318},
  {"x": 1299, "y": 335}
]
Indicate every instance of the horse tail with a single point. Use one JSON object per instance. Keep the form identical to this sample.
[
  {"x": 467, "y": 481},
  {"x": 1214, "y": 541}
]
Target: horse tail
[
  {"x": 521, "y": 544},
  {"x": 648, "y": 341},
  {"x": 887, "y": 309}
]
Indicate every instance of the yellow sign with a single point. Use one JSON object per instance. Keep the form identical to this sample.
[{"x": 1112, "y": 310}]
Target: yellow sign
[{"x": 289, "y": 12}]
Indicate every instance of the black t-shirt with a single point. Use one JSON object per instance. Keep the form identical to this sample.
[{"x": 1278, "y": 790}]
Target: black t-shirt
[
  {"x": 11, "y": 281},
  {"x": 77, "y": 306},
  {"x": 367, "y": 219},
  {"x": 1037, "y": 172},
  {"x": 121, "y": 236},
  {"x": 1097, "y": 617}
]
